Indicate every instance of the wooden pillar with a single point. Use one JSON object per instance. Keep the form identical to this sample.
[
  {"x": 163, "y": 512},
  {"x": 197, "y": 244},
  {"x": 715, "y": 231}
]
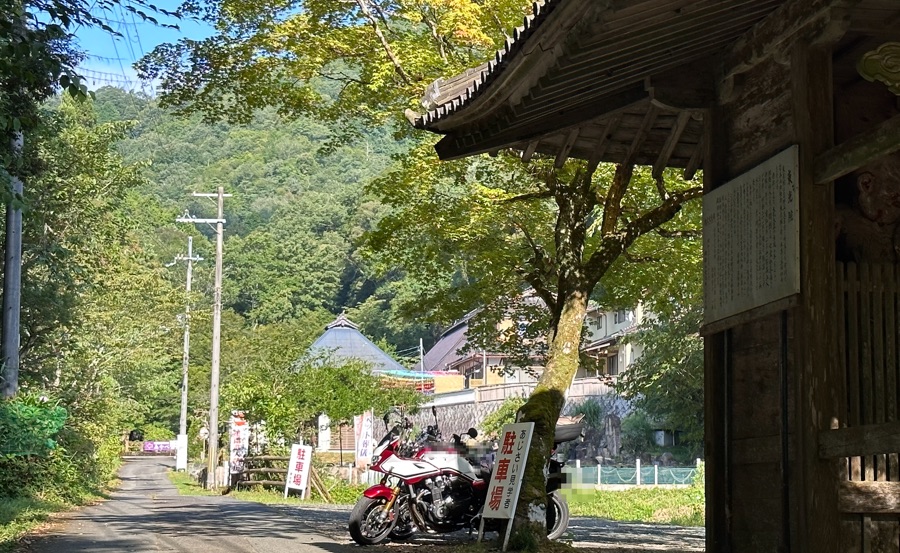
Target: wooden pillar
[
  {"x": 717, "y": 408},
  {"x": 816, "y": 373}
]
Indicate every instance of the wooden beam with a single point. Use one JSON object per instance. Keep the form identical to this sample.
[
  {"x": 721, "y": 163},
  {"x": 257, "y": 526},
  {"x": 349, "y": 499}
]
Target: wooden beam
[
  {"x": 641, "y": 135},
  {"x": 767, "y": 37},
  {"x": 856, "y": 441},
  {"x": 717, "y": 402},
  {"x": 666, "y": 153},
  {"x": 858, "y": 151},
  {"x": 869, "y": 497},
  {"x": 816, "y": 370},
  {"x": 528, "y": 153},
  {"x": 567, "y": 147}
]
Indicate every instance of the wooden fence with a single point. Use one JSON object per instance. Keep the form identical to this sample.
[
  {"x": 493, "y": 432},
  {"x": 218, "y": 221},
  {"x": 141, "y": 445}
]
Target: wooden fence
[
  {"x": 271, "y": 470},
  {"x": 868, "y": 304}
]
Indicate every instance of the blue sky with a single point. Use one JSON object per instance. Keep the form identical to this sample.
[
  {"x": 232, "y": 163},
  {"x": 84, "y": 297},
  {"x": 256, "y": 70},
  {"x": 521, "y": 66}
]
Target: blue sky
[{"x": 110, "y": 58}]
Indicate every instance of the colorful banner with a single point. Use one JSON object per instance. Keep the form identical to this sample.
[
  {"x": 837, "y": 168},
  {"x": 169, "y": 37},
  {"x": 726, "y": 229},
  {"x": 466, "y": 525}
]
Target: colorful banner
[
  {"x": 239, "y": 440},
  {"x": 298, "y": 469},
  {"x": 158, "y": 447},
  {"x": 509, "y": 468},
  {"x": 363, "y": 426}
]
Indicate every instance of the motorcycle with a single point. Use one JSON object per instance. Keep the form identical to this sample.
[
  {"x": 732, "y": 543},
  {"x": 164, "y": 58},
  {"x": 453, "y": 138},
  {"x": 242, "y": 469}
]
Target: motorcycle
[{"x": 431, "y": 486}]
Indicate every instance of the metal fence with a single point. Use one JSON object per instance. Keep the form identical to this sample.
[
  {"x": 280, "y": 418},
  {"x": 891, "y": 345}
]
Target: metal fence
[{"x": 653, "y": 475}]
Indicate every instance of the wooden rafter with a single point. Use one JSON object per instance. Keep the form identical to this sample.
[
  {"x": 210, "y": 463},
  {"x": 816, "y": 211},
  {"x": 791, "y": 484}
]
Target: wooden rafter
[
  {"x": 696, "y": 159},
  {"x": 858, "y": 151},
  {"x": 529, "y": 150},
  {"x": 666, "y": 153},
  {"x": 567, "y": 147},
  {"x": 641, "y": 134}
]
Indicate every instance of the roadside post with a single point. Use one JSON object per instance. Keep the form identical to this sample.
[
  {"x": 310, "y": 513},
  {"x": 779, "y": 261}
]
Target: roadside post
[{"x": 506, "y": 480}]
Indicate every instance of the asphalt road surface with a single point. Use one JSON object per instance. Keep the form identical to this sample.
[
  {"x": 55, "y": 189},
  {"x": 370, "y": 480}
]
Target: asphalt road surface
[{"x": 147, "y": 515}]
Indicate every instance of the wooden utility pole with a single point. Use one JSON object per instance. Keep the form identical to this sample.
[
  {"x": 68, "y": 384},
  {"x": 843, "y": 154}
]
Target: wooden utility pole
[
  {"x": 12, "y": 280},
  {"x": 219, "y": 221},
  {"x": 181, "y": 455}
]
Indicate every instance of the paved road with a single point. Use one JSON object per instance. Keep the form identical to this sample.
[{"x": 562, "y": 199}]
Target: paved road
[{"x": 147, "y": 515}]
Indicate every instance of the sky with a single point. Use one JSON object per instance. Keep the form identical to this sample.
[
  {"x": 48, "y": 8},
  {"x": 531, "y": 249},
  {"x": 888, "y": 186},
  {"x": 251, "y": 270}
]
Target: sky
[{"x": 110, "y": 58}]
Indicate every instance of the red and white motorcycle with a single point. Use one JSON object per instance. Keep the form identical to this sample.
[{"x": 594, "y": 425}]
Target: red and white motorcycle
[{"x": 431, "y": 486}]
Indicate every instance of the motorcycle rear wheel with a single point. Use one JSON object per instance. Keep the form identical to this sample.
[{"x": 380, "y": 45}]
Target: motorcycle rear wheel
[
  {"x": 557, "y": 516},
  {"x": 368, "y": 525}
]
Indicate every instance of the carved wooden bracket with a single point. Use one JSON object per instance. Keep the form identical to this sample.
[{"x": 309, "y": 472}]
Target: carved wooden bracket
[{"x": 882, "y": 64}]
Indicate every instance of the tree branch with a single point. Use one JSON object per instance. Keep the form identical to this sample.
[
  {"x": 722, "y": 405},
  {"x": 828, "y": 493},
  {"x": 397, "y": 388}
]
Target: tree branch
[
  {"x": 398, "y": 67},
  {"x": 613, "y": 205},
  {"x": 683, "y": 233},
  {"x": 661, "y": 188},
  {"x": 614, "y": 244},
  {"x": 539, "y": 195}
]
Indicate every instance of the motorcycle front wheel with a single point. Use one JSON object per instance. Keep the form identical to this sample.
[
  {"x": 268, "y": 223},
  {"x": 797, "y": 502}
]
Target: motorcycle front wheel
[
  {"x": 557, "y": 515},
  {"x": 369, "y": 524},
  {"x": 405, "y": 527}
]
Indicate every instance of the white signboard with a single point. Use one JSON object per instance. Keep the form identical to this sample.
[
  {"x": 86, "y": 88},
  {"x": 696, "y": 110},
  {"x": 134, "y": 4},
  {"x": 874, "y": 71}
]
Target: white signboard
[
  {"x": 324, "y": 433},
  {"x": 751, "y": 238},
  {"x": 239, "y": 440},
  {"x": 509, "y": 468},
  {"x": 362, "y": 431},
  {"x": 298, "y": 469}
]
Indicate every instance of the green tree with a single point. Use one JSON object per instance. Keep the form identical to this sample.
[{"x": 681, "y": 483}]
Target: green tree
[
  {"x": 666, "y": 382},
  {"x": 504, "y": 226}
]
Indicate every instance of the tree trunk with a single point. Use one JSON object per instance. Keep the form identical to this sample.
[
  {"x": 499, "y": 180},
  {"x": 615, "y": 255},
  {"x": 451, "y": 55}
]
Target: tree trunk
[{"x": 543, "y": 409}]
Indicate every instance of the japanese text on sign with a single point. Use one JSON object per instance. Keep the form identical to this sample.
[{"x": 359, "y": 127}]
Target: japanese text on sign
[
  {"x": 751, "y": 238},
  {"x": 509, "y": 470},
  {"x": 298, "y": 468}
]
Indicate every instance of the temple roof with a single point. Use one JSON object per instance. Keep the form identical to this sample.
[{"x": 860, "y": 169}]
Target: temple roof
[
  {"x": 622, "y": 81},
  {"x": 343, "y": 338}
]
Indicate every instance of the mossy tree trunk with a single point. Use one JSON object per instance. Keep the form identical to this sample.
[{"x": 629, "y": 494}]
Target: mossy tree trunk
[{"x": 565, "y": 281}]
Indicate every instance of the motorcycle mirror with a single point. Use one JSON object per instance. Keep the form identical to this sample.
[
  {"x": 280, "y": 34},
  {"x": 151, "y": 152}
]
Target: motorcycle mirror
[
  {"x": 472, "y": 433},
  {"x": 434, "y": 412}
]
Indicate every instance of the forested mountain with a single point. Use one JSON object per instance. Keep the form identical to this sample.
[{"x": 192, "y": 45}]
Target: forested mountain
[{"x": 297, "y": 211}]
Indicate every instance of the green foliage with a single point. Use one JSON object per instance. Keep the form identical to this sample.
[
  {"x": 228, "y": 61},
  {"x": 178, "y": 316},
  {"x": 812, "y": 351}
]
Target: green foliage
[
  {"x": 506, "y": 414},
  {"x": 666, "y": 382},
  {"x": 594, "y": 412},
  {"x": 366, "y": 58},
  {"x": 637, "y": 434},
  {"x": 290, "y": 397},
  {"x": 681, "y": 506},
  {"x": 29, "y": 426}
]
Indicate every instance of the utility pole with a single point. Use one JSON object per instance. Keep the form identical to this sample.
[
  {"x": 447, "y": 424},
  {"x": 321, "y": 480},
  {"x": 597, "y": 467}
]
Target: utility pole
[
  {"x": 181, "y": 454},
  {"x": 12, "y": 280},
  {"x": 219, "y": 221}
]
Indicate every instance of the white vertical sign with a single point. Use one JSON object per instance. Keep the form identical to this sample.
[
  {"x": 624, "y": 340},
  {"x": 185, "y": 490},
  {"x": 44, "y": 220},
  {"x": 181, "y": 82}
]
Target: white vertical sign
[
  {"x": 363, "y": 430},
  {"x": 509, "y": 470},
  {"x": 298, "y": 469},
  {"x": 324, "y": 433},
  {"x": 238, "y": 440}
]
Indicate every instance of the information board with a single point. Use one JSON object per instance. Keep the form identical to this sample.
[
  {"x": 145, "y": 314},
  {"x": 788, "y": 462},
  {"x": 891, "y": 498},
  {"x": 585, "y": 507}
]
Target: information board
[{"x": 751, "y": 238}]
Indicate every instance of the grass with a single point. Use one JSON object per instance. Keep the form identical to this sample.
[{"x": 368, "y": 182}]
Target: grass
[
  {"x": 20, "y": 516},
  {"x": 682, "y": 506}
]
